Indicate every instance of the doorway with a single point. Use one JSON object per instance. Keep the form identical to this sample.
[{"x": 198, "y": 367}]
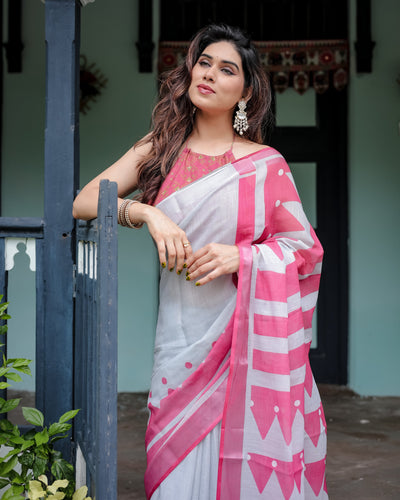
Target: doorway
[{"x": 311, "y": 133}]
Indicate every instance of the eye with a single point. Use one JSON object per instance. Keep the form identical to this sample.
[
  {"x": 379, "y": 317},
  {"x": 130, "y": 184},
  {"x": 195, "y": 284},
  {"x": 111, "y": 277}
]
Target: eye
[
  {"x": 204, "y": 62},
  {"x": 228, "y": 71}
]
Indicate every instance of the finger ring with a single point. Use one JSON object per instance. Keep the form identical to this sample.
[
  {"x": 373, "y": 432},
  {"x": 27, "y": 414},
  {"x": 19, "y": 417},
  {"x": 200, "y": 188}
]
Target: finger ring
[{"x": 186, "y": 244}]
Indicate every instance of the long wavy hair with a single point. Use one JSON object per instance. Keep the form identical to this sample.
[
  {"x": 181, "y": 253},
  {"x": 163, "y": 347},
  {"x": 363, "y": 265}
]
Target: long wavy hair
[{"x": 173, "y": 118}]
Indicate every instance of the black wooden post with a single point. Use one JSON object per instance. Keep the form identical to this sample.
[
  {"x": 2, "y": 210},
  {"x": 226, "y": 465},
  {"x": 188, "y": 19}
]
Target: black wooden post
[
  {"x": 364, "y": 44},
  {"x": 54, "y": 390},
  {"x": 14, "y": 46},
  {"x": 3, "y": 292},
  {"x": 1, "y": 99},
  {"x": 145, "y": 44}
]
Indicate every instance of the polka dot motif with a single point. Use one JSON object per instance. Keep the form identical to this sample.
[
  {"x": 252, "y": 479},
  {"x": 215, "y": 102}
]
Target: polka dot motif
[
  {"x": 188, "y": 365},
  {"x": 280, "y": 171},
  {"x": 164, "y": 380},
  {"x": 274, "y": 463},
  {"x": 277, "y": 203}
]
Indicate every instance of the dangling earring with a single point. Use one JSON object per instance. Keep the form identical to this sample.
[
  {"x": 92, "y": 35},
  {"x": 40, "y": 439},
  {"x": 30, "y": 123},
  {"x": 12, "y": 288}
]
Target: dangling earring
[{"x": 241, "y": 124}]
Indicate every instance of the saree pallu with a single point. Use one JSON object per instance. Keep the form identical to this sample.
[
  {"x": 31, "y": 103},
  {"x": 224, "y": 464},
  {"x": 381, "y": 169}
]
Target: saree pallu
[{"x": 231, "y": 357}]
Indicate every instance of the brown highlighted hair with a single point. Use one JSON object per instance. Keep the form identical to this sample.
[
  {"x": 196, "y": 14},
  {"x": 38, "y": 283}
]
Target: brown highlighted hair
[{"x": 172, "y": 119}]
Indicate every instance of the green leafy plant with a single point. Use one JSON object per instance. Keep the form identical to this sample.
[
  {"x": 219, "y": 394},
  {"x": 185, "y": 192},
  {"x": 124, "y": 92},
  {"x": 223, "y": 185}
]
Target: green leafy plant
[
  {"x": 41, "y": 490},
  {"x": 35, "y": 452},
  {"x": 10, "y": 367},
  {"x": 32, "y": 453}
]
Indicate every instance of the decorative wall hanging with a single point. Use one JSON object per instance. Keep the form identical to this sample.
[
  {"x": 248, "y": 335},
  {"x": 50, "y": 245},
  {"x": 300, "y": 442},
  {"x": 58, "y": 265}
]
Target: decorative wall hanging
[
  {"x": 298, "y": 64},
  {"x": 92, "y": 81}
]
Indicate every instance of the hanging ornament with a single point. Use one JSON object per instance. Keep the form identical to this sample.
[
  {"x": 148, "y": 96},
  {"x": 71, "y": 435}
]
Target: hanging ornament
[
  {"x": 340, "y": 78},
  {"x": 281, "y": 81},
  {"x": 321, "y": 82},
  {"x": 301, "y": 82}
]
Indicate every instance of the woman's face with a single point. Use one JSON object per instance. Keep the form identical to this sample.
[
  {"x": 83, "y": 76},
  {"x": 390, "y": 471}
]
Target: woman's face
[{"x": 217, "y": 79}]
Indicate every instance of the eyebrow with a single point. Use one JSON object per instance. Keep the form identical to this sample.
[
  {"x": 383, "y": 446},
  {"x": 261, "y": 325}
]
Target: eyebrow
[{"x": 225, "y": 62}]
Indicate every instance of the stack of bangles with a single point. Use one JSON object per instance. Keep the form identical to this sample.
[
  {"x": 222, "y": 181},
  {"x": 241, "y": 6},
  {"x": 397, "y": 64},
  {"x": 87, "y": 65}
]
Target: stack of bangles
[{"x": 123, "y": 215}]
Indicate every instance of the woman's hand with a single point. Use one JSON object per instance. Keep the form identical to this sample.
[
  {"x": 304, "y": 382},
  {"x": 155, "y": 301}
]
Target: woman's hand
[
  {"x": 170, "y": 239},
  {"x": 213, "y": 260}
]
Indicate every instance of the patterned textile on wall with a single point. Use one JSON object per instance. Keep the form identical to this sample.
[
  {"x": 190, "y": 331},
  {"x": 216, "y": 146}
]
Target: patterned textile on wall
[{"x": 299, "y": 64}]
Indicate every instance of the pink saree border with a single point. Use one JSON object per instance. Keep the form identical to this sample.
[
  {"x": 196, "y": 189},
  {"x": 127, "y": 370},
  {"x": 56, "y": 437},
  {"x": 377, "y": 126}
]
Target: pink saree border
[{"x": 230, "y": 461}]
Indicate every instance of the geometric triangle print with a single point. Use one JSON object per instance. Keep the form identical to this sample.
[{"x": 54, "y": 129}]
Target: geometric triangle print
[
  {"x": 283, "y": 218},
  {"x": 297, "y": 479},
  {"x": 286, "y": 482},
  {"x": 268, "y": 404},
  {"x": 298, "y": 468},
  {"x": 309, "y": 380},
  {"x": 261, "y": 470},
  {"x": 286, "y": 186},
  {"x": 325, "y": 486},
  {"x": 312, "y": 425},
  {"x": 297, "y": 399},
  {"x": 315, "y": 473}
]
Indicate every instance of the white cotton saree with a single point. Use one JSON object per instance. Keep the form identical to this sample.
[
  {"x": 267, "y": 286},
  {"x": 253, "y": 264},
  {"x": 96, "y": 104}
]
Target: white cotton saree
[{"x": 235, "y": 412}]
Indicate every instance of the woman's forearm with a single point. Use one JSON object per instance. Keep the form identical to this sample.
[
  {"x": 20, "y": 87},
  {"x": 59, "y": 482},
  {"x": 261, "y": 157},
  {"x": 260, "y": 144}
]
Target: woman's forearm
[{"x": 85, "y": 204}]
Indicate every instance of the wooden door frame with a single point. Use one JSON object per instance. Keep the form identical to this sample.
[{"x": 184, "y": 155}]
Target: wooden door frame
[{"x": 314, "y": 144}]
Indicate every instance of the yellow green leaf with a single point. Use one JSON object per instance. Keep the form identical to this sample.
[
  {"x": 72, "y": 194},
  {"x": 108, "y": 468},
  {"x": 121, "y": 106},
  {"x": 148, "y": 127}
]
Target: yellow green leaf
[
  {"x": 36, "y": 490},
  {"x": 58, "y": 495},
  {"x": 59, "y": 483},
  {"x": 80, "y": 494},
  {"x": 43, "y": 479}
]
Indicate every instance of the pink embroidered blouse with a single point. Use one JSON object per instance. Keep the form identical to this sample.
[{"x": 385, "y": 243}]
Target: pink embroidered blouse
[{"x": 189, "y": 167}]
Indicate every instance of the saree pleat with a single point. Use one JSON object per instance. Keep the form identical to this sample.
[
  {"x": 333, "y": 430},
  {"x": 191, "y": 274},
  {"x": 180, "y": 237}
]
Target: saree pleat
[{"x": 231, "y": 358}]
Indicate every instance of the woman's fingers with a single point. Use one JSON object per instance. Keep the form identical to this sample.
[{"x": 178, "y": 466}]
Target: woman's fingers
[
  {"x": 161, "y": 252},
  {"x": 183, "y": 251},
  {"x": 174, "y": 250},
  {"x": 212, "y": 261},
  {"x": 171, "y": 253},
  {"x": 172, "y": 243}
]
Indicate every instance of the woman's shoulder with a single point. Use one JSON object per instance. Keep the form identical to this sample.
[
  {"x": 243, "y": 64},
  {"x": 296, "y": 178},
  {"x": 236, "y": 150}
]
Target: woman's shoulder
[
  {"x": 143, "y": 146},
  {"x": 243, "y": 147}
]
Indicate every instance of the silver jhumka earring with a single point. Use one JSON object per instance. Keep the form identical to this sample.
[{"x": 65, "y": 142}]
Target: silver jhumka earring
[{"x": 241, "y": 124}]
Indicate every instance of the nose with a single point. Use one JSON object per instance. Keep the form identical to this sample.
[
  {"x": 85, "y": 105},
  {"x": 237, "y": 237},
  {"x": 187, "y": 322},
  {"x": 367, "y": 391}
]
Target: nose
[{"x": 209, "y": 74}]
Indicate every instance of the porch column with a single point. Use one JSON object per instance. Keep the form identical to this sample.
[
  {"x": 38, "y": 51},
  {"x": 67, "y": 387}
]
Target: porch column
[{"x": 54, "y": 372}]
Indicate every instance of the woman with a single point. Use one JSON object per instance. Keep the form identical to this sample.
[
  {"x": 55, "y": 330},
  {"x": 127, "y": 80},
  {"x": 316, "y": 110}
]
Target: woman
[{"x": 235, "y": 412}]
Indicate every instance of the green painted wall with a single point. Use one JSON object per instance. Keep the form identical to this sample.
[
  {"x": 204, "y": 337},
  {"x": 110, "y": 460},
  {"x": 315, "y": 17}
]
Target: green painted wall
[
  {"x": 22, "y": 171},
  {"x": 116, "y": 121},
  {"x": 119, "y": 118},
  {"x": 121, "y": 115},
  {"x": 374, "y": 182}
]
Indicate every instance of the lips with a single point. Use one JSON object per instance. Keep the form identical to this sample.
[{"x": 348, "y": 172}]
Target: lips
[{"x": 205, "y": 89}]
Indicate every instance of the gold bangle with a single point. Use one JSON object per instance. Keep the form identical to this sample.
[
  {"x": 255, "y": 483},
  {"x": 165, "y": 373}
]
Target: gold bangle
[
  {"x": 121, "y": 211},
  {"x": 127, "y": 219}
]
